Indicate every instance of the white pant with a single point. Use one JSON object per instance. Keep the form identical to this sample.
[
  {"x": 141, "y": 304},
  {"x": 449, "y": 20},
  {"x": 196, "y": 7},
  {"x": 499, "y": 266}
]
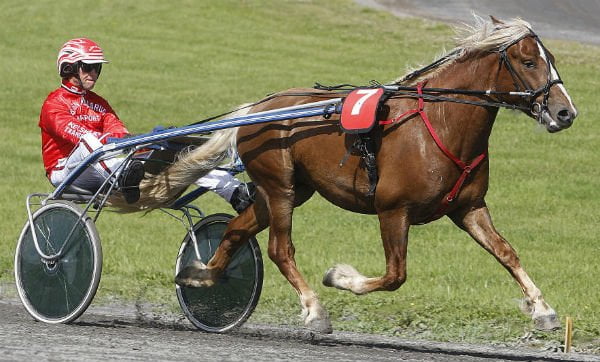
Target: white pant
[
  {"x": 218, "y": 181},
  {"x": 92, "y": 177}
]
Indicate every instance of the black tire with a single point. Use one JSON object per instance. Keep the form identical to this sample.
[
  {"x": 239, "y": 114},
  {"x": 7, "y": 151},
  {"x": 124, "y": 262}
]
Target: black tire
[
  {"x": 227, "y": 304},
  {"x": 59, "y": 291}
]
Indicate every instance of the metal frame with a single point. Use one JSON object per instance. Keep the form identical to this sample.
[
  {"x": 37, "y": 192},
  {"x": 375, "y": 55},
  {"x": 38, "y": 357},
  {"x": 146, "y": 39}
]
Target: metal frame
[{"x": 323, "y": 108}]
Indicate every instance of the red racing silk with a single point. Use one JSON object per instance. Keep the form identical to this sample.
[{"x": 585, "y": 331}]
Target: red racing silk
[{"x": 70, "y": 112}]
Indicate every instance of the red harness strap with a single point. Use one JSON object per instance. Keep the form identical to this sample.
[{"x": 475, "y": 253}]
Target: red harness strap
[{"x": 465, "y": 168}]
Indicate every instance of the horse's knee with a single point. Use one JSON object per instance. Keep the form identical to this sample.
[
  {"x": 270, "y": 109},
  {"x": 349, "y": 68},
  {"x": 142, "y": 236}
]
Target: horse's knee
[
  {"x": 391, "y": 284},
  {"x": 233, "y": 240},
  {"x": 279, "y": 254},
  {"x": 275, "y": 254},
  {"x": 394, "y": 285}
]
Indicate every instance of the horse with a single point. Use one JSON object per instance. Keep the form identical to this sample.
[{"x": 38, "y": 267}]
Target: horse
[{"x": 431, "y": 161}]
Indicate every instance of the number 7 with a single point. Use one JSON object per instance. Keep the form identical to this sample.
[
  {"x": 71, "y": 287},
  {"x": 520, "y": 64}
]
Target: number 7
[{"x": 358, "y": 105}]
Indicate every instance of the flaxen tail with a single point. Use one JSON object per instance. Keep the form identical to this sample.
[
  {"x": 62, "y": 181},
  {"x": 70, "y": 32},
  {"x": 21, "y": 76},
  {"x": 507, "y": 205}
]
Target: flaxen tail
[{"x": 162, "y": 189}]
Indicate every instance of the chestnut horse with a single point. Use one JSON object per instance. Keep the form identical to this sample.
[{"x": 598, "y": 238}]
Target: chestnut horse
[{"x": 431, "y": 162}]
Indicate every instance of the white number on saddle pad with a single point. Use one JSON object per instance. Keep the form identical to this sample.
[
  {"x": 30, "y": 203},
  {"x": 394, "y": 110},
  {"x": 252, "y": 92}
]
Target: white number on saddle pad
[
  {"x": 359, "y": 111},
  {"x": 359, "y": 103}
]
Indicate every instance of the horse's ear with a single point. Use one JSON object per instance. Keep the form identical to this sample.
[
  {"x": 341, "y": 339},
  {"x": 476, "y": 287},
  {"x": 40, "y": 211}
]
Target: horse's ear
[{"x": 495, "y": 20}]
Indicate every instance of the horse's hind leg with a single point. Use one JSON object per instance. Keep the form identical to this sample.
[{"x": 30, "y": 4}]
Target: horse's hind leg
[
  {"x": 478, "y": 223},
  {"x": 250, "y": 222},
  {"x": 394, "y": 227}
]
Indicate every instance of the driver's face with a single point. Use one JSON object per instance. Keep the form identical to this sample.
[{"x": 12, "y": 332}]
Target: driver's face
[
  {"x": 88, "y": 79},
  {"x": 87, "y": 76}
]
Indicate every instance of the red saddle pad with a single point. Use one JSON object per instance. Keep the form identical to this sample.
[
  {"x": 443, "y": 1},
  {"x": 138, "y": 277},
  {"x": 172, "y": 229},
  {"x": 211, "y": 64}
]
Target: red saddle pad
[{"x": 359, "y": 110}]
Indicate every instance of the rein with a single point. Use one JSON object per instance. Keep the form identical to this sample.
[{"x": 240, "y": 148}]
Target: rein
[{"x": 431, "y": 94}]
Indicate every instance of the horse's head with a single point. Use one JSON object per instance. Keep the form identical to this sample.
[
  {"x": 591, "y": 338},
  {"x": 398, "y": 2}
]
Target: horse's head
[{"x": 529, "y": 68}]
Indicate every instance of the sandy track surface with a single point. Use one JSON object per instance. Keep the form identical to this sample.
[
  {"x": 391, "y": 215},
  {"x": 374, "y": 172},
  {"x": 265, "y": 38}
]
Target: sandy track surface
[{"x": 139, "y": 333}]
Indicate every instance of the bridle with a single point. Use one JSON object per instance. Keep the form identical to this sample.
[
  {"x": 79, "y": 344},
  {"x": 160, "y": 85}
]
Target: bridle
[{"x": 535, "y": 108}]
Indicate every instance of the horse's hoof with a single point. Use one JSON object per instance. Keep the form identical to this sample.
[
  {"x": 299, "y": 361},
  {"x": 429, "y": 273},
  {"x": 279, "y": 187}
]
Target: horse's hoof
[
  {"x": 193, "y": 283},
  {"x": 320, "y": 326},
  {"x": 547, "y": 322},
  {"x": 328, "y": 277},
  {"x": 194, "y": 276}
]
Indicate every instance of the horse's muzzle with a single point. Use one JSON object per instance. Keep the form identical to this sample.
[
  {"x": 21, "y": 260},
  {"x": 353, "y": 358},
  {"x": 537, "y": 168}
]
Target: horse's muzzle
[
  {"x": 554, "y": 120},
  {"x": 565, "y": 117}
]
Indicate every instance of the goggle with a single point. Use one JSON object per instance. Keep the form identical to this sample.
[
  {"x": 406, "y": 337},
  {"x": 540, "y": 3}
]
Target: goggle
[{"x": 90, "y": 67}]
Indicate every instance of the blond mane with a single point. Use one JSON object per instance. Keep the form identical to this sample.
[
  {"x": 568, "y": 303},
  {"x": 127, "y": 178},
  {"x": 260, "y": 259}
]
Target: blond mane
[{"x": 483, "y": 35}]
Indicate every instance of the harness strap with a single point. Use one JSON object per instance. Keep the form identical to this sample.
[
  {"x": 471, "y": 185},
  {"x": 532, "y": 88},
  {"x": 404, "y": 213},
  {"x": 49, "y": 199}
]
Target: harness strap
[
  {"x": 465, "y": 168},
  {"x": 451, "y": 196}
]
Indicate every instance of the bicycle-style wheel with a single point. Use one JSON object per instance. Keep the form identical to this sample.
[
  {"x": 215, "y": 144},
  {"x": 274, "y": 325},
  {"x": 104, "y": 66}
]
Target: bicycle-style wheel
[
  {"x": 228, "y": 303},
  {"x": 59, "y": 290}
]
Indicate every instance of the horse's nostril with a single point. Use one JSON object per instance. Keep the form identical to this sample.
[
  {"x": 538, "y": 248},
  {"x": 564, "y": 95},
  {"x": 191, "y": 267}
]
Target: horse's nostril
[{"x": 565, "y": 116}]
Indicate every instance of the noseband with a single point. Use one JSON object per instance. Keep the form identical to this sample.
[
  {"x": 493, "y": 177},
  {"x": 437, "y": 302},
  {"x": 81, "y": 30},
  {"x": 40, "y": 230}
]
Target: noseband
[{"x": 535, "y": 108}]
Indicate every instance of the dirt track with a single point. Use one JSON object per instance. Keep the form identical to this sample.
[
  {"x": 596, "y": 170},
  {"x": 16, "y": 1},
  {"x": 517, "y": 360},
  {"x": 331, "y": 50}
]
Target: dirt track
[{"x": 126, "y": 333}]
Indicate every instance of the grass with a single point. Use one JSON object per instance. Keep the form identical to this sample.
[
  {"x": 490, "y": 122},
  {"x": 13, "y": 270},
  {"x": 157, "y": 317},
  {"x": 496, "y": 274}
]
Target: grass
[{"x": 173, "y": 65}]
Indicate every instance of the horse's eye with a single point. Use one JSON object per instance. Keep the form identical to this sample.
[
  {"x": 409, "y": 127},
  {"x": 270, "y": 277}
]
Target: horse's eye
[{"x": 529, "y": 63}]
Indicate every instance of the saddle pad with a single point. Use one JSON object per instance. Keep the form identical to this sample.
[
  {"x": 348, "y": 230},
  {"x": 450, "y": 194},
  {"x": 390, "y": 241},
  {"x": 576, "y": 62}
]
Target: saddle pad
[{"x": 359, "y": 110}]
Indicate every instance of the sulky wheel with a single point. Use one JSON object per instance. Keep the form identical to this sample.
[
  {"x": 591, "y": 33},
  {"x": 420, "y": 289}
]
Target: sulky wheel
[
  {"x": 228, "y": 303},
  {"x": 58, "y": 290}
]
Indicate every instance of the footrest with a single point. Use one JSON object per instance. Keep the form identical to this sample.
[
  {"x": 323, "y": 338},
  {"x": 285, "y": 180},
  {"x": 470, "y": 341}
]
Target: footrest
[
  {"x": 76, "y": 194},
  {"x": 72, "y": 189}
]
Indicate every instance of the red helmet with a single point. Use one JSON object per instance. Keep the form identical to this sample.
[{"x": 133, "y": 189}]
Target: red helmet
[{"x": 78, "y": 50}]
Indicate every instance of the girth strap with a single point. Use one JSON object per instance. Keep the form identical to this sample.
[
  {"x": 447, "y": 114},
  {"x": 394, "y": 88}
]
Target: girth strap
[{"x": 464, "y": 167}]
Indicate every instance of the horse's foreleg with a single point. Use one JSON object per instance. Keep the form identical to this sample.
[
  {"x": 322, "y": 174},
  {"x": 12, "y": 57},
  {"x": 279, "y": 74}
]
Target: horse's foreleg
[
  {"x": 478, "y": 223},
  {"x": 394, "y": 234},
  {"x": 281, "y": 251}
]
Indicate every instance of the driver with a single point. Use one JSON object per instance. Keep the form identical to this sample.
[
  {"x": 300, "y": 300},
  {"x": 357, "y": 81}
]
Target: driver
[{"x": 74, "y": 121}]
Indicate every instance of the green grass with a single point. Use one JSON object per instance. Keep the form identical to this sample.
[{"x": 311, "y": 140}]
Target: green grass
[{"x": 173, "y": 65}]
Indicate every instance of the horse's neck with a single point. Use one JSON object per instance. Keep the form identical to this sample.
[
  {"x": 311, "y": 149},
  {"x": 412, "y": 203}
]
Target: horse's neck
[
  {"x": 475, "y": 73},
  {"x": 471, "y": 125}
]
